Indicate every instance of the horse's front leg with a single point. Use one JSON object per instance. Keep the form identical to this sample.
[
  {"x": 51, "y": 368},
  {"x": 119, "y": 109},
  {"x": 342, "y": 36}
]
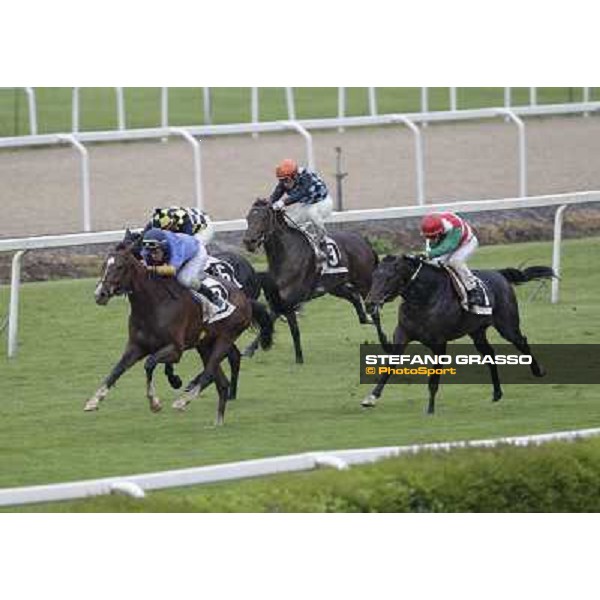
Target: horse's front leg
[
  {"x": 434, "y": 380},
  {"x": 168, "y": 354},
  {"x": 132, "y": 354}
]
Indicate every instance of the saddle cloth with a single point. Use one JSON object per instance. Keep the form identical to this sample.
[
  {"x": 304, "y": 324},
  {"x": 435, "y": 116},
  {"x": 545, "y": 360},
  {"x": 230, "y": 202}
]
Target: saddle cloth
[
  {"x": 222, "y": 269},
  {"x": 485, "y": 309},
  {"x": 333, "y": 263},
  {"x": 211, "y": 314}
]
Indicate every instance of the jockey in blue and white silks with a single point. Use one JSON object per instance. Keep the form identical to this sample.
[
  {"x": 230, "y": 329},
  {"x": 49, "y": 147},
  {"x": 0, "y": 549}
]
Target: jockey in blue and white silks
[{"x": 178, "y": 255}]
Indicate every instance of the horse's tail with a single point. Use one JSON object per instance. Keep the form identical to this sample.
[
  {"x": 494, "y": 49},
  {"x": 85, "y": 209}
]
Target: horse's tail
[
  {"x": 262, "y": 319},
  {"x": 519, "y": 276}
]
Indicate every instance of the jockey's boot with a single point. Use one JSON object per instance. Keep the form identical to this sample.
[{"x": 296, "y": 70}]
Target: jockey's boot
[
  {"x": 214, "y": 298},
  {"x": 475, "y": 297}
]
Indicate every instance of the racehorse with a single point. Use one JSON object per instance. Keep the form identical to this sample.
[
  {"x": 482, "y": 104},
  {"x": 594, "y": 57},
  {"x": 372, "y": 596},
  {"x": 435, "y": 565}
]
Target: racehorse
[
  {"x": 293, "y": 264},
  {"x": 431, "y": 313},
  {"x": 165, "y": 321}
]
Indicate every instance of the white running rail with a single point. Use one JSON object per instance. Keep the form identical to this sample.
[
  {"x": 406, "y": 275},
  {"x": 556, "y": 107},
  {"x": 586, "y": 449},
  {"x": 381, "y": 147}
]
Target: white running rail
[
  {"x": 137, "y": 485},
  {"x": 350, "y": 216}
]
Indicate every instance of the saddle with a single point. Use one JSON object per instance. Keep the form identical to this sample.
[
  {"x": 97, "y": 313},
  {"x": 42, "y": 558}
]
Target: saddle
[
  {"x": 211, "y": 314},
  {"x": 220, "y": 268},
  {"x": 485, "y": 308}
]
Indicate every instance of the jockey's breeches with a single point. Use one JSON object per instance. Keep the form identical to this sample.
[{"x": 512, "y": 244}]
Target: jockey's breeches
[
  {"x": 192, "y": 273},
  {"x": 315, "y": 214},
  {"x": 457, "y": 261}
]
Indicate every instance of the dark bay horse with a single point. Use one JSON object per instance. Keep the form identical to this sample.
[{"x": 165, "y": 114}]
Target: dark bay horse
[
  {"x": 293, "y": 265},
  {"x": 165, "y": 321},
  {"x": 431, "y": 313}
]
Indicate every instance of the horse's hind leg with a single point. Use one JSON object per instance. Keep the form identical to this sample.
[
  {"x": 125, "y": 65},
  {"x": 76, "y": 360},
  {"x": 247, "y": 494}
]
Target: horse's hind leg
[
  {"x": 513, "y": 334},
  {"x": 174, "y": 379},
  {"x": 347, "y": 292},
  {"x": 434, "y": 380},
  {"x": 485, "y": 349},
  {"x": 234, "y": 356},
  {"x": 131, "y": 355}
]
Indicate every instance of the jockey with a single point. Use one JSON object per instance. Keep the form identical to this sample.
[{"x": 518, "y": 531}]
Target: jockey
[
  {"x": 307, "y": 198},
  {"x": 450, "y": 241},
  {"x": 178, "y": 255},
  {"x": 182, "y": 220}
]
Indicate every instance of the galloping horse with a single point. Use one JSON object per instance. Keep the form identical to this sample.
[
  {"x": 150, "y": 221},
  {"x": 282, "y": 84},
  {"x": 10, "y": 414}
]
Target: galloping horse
[
  {"x": 165, "y": 321},
  {"x": 293, "y": 264},
  {"x": 431, "y": 313}
]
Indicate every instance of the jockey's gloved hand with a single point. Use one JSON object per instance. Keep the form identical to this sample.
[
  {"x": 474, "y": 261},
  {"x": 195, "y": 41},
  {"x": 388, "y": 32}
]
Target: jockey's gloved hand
[{"x": 278, "y": 205}]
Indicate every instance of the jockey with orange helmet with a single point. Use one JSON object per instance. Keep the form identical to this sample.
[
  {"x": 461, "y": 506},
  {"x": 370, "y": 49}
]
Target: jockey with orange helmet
[
  {"x": 450, "y": 241},
  {"x": 307, "y": 200}
]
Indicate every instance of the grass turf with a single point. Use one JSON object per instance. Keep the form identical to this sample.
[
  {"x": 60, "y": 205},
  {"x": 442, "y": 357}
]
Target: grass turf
[
  {"x": 68, "y": 345},
  {"x": 232, "y": 105}
]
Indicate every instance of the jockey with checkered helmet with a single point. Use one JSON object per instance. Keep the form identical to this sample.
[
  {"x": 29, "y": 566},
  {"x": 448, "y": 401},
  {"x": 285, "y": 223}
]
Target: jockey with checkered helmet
[
  {"x": 450, "y": 241},
  {"x": 307, "y": 200},
  {"x": 178, "y": 219},
  {"x": 168, "y": 254}
]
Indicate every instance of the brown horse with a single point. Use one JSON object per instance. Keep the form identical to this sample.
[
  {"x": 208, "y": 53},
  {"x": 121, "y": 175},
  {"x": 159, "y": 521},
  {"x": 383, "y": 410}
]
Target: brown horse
[
  {"x": 165, "y": 321},
  {"x": 293, "y": 265}
]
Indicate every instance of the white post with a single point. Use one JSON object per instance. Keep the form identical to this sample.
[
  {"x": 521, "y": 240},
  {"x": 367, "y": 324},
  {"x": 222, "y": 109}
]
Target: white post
[
  {"x": 164, "y": 107},
  {"x": 75, "y": 110},
  {"x": 13, "y": 311},
  {"x": 33, "y": 128},
  {"x": 372, "y": 101},
  {"x": 85, "y": 178},
  {"x": 310, "y": 157},
  {"x": 291, "y": 105},
  {"x": 254, "y": 107},
  {"x": 197, "y": 163},
  {"x": 507, "y": 97},
  {"x": 556, "y": 245},
  {"x": 207, "y": 106},
  {"x": 424, "y": 99},
  {"x": 341, "y": 105},
  {"x": 120, "y": 108},
  {"x": 419, "y": 162},
  {"x": 586, "y": 98},
  {"x": 522, "y": 149},
  {"x": 453, "y": 103},
  {"x": 533, "y": 96}
]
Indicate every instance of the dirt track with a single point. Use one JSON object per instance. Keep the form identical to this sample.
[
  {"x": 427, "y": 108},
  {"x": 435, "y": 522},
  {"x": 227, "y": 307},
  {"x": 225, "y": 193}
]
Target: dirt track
[{"x": 39, "y": 189}]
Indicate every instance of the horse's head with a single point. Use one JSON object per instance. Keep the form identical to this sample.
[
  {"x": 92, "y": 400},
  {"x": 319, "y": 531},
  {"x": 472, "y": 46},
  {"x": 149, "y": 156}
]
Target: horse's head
[
  {"x": 391, "y": 278},
  {"x": 261, "y": 220},
  {"x": 117, "y": 274}
]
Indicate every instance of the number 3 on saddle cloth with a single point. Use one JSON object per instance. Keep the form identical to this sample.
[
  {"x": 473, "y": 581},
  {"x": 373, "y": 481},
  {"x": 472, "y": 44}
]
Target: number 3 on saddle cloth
[
  {"x": 210, "y": 313},
  {"x": 486, "y": 306}
]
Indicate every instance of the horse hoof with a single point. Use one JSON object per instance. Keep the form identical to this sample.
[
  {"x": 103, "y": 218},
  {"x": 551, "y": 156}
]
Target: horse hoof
[
  {"x": 180, "y": 404},
  {"x": 156, "y": 407},
  {"x": 176, "y": 382},
  {"x": 497, "y": 396},
  {"x": 91, "y": 405},
  {"x": 369, "y": 402}
]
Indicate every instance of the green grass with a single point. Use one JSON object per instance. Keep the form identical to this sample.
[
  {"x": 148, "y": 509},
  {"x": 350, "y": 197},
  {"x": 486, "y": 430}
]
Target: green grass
[
  {"x": 232, "y": 105},
  {"x": 68, "y": 344}
]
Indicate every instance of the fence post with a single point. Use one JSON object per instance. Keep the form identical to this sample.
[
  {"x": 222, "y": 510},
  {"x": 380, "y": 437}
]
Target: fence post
[
  {"x": 75, "y": 110},
  {"x": 453, "y": 102},
  {"x": 507, "y": 112},
  {"x": 120, "y": 109},
  {"x": 341, "y": 105},
  {"x": 164, "y": 107},
  {"x": 33, "y": 128},
  {"x": 85, "y": 177},
  {"x": 420, "y": 172},
  {"x": 13, "y": 311},
  {"x": 291, "y": 105},
  {"x": 372, "y": 101},
  {"x": 207, "y": 106},
  {"x": 533, "y": 96},
  {"x": 310, "y": 157},
  {"x": 507, "y": 97},
  {"x": 556, "y": 248},
  {"x": 254, "y": 108},
  {"x": 424, "y": 99},
  {"x": 195, "y": 144}
]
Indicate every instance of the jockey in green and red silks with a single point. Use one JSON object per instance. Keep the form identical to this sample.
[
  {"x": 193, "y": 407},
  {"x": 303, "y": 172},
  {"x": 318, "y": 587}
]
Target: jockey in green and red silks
[{"x": 450, "y": 241}]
